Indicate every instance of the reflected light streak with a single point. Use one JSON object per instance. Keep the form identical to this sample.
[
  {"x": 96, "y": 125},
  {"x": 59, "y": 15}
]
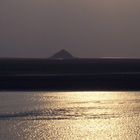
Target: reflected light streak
[{"x": 70, "y": 115}]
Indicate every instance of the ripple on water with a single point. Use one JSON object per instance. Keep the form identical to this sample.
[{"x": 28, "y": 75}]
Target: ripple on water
[{"x": 70, "y": 116}]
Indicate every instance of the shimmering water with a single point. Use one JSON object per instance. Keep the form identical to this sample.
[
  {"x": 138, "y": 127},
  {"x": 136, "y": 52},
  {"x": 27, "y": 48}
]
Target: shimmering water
[{"x": 69, "y": 115}]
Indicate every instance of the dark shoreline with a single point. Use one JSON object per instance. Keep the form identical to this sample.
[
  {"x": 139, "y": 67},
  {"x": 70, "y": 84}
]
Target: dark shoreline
[{"x": 71, "y": 74}]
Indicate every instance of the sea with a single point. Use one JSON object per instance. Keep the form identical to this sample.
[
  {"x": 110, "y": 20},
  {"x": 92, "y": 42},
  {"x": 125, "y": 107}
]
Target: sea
[{"x": 74, "y": 115}]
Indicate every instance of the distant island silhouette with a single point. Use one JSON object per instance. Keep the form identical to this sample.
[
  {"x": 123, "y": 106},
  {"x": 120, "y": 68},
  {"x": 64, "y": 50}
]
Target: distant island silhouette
[{"x": 62, "y": 54}]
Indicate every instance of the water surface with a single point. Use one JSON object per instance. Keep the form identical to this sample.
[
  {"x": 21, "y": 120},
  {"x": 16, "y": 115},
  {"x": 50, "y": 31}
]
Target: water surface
[{"x": 69, "y": 115}]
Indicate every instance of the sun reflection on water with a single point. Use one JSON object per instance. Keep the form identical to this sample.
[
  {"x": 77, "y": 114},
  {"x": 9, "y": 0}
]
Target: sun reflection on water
[{"x": 71, "y": 116}]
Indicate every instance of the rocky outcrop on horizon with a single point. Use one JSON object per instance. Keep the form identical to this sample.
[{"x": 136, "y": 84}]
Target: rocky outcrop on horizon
[{"x": 62, "y": 54}]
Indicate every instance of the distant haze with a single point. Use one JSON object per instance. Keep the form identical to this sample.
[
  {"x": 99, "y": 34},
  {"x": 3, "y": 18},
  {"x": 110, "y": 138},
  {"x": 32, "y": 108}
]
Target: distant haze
[{"x": 86, "y": 28}]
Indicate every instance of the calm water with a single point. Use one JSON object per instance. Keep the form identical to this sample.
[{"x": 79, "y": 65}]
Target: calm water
[{"x": 69, "y": 116}]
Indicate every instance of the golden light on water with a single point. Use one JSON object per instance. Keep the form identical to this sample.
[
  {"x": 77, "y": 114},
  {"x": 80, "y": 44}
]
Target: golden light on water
[{"x": 74, "y": 116}]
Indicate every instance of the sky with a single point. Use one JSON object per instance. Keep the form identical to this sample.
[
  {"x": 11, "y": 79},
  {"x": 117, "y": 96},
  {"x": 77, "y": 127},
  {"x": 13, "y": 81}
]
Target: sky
[{"x": 86, "y": 28}]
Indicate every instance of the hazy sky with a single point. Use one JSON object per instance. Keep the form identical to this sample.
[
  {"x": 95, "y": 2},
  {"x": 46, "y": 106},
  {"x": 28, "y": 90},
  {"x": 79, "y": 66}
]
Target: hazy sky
[{"x": 86, "y": 28}]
